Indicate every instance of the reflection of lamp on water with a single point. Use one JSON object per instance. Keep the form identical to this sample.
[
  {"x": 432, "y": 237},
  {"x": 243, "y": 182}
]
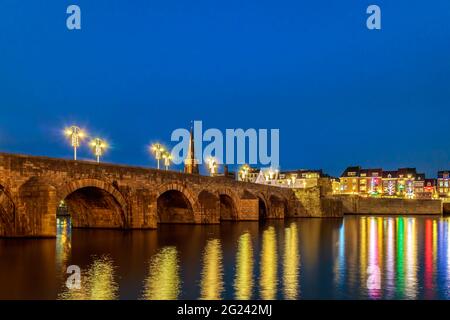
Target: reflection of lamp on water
[
  {"x": 243, "y": 283},
  {"x": 98, "y": 284},
  {"x": 291, "y": 262},
  {"x": 211, "y": 285},
  {"x": 63, "y": 243},
  {"x": 268, "y": 280},
  {"x": 163, "y": 281}
]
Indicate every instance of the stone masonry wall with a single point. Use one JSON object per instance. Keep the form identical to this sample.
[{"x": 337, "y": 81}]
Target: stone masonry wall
[
  {"x": 311, "y": 203},
  {"x": 386, "y": 206}
]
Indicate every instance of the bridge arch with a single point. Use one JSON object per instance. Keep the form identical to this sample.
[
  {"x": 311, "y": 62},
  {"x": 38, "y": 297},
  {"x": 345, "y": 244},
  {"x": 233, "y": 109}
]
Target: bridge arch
[
  {"x": 7, "y": 211},
  {"x": 229, "y": 204},
  {"x": 278, "y": 206},
  {"x": 176, "y": 204},
  {"x": 94, "y": 203},
  {"x": 263, "y": 205},
  {"x": 209, "y": 203}
]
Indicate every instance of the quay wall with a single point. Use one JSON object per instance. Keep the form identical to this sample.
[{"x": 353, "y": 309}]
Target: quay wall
[
  {"x": 313, "y": 203},
  {"x": 446, "y": 207},
  {"x": 356, "y": 205}
]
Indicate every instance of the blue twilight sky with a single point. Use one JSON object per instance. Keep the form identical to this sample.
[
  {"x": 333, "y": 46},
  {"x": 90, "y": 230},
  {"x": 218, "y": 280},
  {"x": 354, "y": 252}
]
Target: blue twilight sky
[{"x": 340, "y": 94}]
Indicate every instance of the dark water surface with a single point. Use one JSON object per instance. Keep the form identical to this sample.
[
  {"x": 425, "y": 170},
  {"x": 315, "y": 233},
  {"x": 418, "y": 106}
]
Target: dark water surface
[{"x": 351, "y": 258}]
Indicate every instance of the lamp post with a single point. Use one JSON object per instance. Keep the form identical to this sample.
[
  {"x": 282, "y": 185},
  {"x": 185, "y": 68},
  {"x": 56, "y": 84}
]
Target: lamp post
[
  {"x": 293, "y": 179},
  {"x": 244, "y": 172},
  {"x": 158, "y": 150},
  {"x": 99, "y": 147},
  {"x": 167, "y": 159},
  {"x": 75, "y": 134},
  {"x": 212, "y": 165}
]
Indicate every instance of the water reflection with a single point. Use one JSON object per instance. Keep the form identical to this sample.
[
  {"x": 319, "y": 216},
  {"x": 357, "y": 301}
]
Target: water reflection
[
  {"x": 243, "y": 283},
  {"x": 212, "y": 274},
  {"x": 291, "y": 262},
  {"x": 97, "y": 282},
  {"x": 390, "y": 260},
  {"x": 446, "y": 248},
  {"x": 339, "y": 269},
  {"x": 63, "y": 242},
  {"x": 411, "y": 259},
  {"x": 373, "y": 270},
  {"x": 268, "y": 280},
  {"x": 353, "y": 258},
  {"x": 163, "y": 281},
  {"x": 363, "y": 250}
]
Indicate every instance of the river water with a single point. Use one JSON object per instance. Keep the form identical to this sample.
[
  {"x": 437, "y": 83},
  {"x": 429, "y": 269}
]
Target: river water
[{"x": 350, "y": 258}]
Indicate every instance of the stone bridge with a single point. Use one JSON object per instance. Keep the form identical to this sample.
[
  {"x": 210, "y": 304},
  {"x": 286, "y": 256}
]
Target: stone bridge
[{"x": 124, "y": 197}]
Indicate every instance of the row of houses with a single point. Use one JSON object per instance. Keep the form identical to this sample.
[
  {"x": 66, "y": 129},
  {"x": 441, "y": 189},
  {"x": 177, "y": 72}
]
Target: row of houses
[
  {"x": 296, "y": 179},
  {"x": 401, "y": 183}
]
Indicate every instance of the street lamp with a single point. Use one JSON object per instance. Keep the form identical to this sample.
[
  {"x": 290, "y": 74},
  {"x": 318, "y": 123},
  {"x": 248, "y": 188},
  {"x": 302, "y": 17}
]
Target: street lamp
[
  {"x": 75, "y": 134},
  {"x": 293, "y": 179},
  {"x": 158, "y": 150},
  {"x": 99, "y": 147},
  {"x": 212, "y": 165},
  {"x": 244, "y": 172},
  {"x": 272, "y": 174},
  {"x": 167, "y": 159}
]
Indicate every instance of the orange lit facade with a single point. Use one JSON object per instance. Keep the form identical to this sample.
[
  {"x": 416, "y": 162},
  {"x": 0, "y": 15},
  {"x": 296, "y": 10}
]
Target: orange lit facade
[
  {"x": 443, "y": 184},
  {"x": 401, "y": 183}
]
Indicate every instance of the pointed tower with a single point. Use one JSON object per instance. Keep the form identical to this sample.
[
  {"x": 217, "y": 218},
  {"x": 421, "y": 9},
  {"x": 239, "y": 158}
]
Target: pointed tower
[{"x": 190, "y": 163}]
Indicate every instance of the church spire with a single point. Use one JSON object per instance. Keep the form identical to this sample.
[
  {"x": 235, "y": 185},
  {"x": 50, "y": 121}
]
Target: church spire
[{"x": 190, "y": 163}]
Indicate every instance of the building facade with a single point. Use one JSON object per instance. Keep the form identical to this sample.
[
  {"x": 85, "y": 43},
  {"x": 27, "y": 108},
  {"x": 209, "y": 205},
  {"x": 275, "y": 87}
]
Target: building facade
[
  {"x": 443, "y": 184},
  {"x": 296, "y": 179},
  {"x": 401, "y": 183}
]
